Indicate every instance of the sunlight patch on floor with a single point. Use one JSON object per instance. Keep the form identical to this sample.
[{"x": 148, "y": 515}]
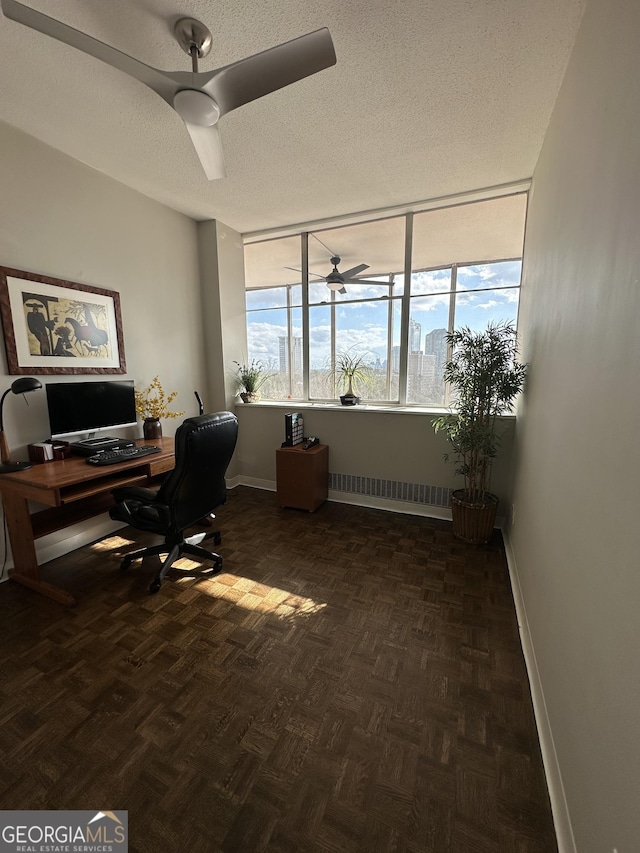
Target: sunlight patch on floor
[
  {"x": 260, "y": 598},
  {"x": 246, "y": 593},
  {"x": 111, "y": 543}
]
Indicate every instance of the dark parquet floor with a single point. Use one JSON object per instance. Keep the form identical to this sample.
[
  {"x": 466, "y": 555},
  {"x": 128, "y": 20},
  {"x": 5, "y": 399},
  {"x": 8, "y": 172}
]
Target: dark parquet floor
[{"x": 352, "y": 681}]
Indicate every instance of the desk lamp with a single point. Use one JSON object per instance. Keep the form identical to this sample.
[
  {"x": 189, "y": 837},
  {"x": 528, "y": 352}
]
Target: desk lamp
[{"x": 20, "y": 386}]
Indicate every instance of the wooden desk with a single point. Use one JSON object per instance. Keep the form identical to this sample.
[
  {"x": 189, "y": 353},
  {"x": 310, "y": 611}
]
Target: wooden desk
[{"x": 72, "y": 491}]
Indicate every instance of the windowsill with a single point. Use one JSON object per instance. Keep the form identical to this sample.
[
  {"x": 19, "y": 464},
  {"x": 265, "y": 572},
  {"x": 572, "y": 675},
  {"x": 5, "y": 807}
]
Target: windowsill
[{"x": 296, "y": 405}]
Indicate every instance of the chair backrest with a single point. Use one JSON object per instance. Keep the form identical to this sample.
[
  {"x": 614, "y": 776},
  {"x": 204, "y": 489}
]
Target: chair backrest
[{"x": 204, "y": 446}]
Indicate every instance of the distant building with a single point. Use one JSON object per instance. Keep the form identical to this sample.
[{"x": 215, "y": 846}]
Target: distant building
[
  {"x": 415, "y": 336},
  {"x": 435, "y": 343},
  {"x": 283, "y": 352}
]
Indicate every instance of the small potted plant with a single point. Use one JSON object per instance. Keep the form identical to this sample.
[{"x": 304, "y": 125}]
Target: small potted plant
[
  {"x": 250, "y": 378},
  {"x": 353, "y": 373},
  {"x": 485, "y": 378},
  {"x": 152, "y": 404}
]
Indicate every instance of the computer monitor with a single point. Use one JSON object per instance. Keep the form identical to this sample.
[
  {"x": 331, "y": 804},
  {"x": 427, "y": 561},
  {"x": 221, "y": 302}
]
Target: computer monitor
[{"x": 83, "y": 408}]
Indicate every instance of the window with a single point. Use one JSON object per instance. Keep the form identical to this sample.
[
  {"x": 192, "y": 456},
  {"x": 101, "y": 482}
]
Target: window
[
  {"x": 274, "y": 337},
  {"x": 363, "y": 316},
  {"x": 445, "y": 299},
  {"x": 274, "y": 315},
  {"x": 465, "y": 270}
]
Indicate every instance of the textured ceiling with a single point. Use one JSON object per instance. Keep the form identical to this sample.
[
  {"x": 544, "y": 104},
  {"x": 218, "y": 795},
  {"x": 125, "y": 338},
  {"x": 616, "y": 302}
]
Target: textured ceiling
[{"x": 428, "y": 98}]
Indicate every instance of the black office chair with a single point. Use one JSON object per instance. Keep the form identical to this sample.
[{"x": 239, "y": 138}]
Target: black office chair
[{"x": 192, "y": 490}]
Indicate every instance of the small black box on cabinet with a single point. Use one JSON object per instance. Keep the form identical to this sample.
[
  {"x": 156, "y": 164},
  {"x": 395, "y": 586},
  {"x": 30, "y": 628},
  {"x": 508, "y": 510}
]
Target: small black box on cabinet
[{"x": 293, "y": 429}]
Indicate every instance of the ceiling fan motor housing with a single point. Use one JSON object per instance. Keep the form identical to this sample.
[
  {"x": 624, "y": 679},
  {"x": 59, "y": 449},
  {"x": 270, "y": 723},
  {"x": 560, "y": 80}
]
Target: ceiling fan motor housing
[
  {"x": 334, "y": 280},
  {"x": 196, "y": 107}
]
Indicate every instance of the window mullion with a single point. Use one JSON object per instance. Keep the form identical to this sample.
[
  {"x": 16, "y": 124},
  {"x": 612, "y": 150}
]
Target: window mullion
[
  {"x": 304, "y": 252},
  {"x": 290, "y": 337},
  {"x": 333, "y": 341},
  {"x": 452, "y": 319},
  {"x": 404, "y": 322},
  {"x": 389, "y": 339}
]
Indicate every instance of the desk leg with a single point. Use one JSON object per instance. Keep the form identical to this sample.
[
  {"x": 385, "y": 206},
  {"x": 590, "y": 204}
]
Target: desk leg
[{"x": 26, "y": 572}]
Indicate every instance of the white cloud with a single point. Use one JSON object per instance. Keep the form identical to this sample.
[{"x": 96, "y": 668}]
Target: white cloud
[
  {"x": 435, "y": 281},
  {"x": 263, "y": 341},
  {"x": 430, "y": 303},
  {"x": 467, "y": 299},
  {"x": 274, "y": 297}
]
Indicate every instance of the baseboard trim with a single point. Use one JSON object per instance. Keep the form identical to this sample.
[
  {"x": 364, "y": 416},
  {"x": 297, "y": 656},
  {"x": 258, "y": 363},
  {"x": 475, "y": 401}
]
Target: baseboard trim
[
  {"x": 407, "y": 507},
  {"x": 404, "y": 507},
  {"x": 559, "y": 807},
  {"x": 253, "y": 482},
  {"x": 372, "y": 502}
]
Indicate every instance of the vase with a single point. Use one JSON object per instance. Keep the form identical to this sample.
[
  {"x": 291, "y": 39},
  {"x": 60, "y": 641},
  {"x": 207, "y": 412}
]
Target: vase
[
  {"x": 473, "y": 521},
  {"x": 249, "y": 397},
  {"x": 152, "y": 428}
]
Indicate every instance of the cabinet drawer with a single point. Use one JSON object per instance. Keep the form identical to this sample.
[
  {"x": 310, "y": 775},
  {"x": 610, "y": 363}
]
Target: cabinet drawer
[{"x": 302, "y": 476}]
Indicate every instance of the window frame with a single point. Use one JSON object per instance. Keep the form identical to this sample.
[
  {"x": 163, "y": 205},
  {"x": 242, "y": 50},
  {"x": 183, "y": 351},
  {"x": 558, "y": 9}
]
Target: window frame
[{"x": 405, "y": 301}]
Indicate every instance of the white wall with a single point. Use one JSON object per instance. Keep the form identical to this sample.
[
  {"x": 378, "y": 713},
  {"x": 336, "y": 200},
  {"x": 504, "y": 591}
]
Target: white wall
[
  {"x": 389, "y": 445},
  {"x": 575, "y": 539},
  {"x": 62, "y": 219},
  {"x": 221, "y": 256}
]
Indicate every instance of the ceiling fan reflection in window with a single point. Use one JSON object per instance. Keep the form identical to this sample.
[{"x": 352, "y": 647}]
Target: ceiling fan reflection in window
[
  {"x": 336, "y": 280},
  {"x": 199, "y": 98}
]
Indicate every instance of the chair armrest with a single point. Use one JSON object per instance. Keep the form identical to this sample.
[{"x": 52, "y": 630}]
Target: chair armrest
[
  {"x": 134, "y": 493},
  {"x": 140, "y": 507}
]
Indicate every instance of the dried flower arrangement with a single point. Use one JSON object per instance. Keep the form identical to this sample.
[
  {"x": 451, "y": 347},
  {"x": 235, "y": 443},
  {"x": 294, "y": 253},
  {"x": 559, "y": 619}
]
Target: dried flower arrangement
[{"x": 152, "y": 402}]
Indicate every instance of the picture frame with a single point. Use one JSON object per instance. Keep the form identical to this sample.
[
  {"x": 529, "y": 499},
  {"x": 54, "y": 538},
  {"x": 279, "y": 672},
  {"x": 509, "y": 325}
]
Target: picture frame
[{"x": 53, "y": 326}]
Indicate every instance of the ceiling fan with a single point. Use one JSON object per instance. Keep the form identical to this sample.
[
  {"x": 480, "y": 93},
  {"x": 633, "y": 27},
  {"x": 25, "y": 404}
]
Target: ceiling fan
[
  {"x": 199, "y": 98},
  {"x": 336, "y": 280}
]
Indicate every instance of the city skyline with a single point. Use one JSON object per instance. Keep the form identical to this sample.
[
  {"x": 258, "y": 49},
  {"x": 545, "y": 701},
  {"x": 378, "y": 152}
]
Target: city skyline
[{"x": 364, "y": 325}]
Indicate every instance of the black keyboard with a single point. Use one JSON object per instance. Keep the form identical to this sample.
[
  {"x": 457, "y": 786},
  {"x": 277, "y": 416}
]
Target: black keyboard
[{"x": 110, "y": 457}]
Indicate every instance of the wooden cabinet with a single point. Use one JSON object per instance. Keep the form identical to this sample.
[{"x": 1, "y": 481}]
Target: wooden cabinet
[{"x": 302, "y": 476}]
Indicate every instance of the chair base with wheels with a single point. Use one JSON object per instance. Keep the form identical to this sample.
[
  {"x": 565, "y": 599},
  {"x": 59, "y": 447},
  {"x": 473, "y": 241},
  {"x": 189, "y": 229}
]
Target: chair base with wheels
[{"x": 175, "y": 548}]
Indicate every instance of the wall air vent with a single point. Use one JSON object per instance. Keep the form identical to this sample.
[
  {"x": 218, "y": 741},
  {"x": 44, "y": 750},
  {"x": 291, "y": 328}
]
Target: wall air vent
[{"x": 390, "y": 489}]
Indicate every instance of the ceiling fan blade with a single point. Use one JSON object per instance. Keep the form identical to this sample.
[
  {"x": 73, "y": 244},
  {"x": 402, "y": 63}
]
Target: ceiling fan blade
[
  {"x": 365, "y": 281},
  {"x": 251, "y": 78},
  {"x": 310, "y": 273},
  {"x": 157, "y": 80},
  {"x": 208, "y": 145},
  {"x": 342, "y": 290},
  {"x": 354, "y": 271}
]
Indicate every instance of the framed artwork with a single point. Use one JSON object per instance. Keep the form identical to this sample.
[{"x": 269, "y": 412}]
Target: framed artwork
[{"x": 54, "y": 326}]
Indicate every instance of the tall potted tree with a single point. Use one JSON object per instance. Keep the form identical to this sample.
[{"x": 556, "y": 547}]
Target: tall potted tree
[{"x": 484, "y": 377}]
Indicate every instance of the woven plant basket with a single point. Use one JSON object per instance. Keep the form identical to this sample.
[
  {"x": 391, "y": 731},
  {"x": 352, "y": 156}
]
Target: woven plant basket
[{"x": 473, "y": 522}]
